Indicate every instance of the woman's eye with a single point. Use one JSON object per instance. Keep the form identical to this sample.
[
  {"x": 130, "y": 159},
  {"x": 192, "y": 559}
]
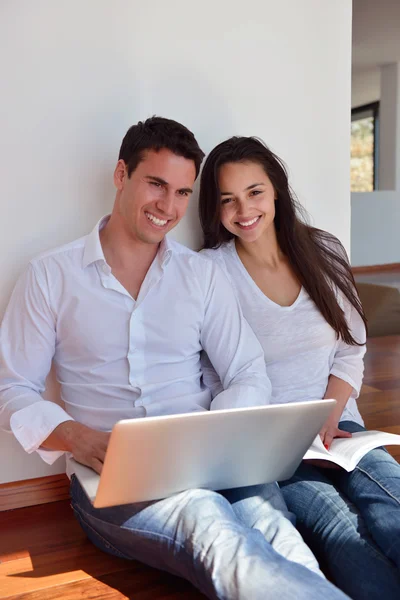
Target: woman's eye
[
  {"x": 255, "y": 192},
  {"x": 226, "y": 200}
]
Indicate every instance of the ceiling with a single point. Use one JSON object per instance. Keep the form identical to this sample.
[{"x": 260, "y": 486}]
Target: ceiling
[{"x": 376, "y": 33}]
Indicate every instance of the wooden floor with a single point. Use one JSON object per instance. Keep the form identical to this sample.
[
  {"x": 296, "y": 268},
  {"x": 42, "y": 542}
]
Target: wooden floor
[
  {"x": 379, "y": 402},
  {"x": 45, "y": 555}
]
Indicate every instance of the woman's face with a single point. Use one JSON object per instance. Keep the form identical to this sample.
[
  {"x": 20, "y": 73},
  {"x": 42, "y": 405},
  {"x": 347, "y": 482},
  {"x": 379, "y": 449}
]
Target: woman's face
[{"x": 247, "y": 200}]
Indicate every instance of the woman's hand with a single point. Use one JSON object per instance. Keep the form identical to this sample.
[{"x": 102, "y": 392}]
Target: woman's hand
[{"x": 330, "y": 430}]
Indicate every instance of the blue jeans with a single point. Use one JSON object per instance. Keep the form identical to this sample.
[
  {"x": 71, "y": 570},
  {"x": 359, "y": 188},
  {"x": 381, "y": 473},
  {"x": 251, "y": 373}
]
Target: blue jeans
[
  {"x": 352, "y": 521},
  {"x": 238, "y": 544}
]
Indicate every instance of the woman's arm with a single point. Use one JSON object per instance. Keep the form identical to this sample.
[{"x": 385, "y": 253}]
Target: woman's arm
[
  {"x": 346, "y": 374},
  {"x": 341, "y": 391}
]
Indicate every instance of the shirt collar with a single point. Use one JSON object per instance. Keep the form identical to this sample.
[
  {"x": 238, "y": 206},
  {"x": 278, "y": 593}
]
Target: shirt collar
[
  {"x": 164, "y": 252},
  {"x": 94, "y": 252}
]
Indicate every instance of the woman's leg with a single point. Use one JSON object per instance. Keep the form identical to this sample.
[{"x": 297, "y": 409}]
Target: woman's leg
[
  {"x": 337, "y": 534},
  {"x": 374, "y": 487},
  {"x": 196, "y": 535}
]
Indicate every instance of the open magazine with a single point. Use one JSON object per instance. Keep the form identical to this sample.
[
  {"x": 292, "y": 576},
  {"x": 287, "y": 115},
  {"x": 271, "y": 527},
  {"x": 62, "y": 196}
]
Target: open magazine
[{"x": 347, "y": 452}]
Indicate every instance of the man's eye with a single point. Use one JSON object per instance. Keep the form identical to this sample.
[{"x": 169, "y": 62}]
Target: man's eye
[
  {"x": 183, "y": 193},
  {"x": 155, "y": 183}
]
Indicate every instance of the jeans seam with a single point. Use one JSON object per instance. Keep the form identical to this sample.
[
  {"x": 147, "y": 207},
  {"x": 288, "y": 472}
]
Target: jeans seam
[
  {"x": 378, "y": 484},
  {"x": 385, "y": 490},
  {"x": 369, "y": 542}
]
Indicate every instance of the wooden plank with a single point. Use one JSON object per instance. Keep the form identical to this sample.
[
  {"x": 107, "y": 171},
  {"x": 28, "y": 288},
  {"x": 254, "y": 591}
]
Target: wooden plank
[
  {"x": 146, "y": 584},
  {"x": 383, "y": 368},
  {"x": 366, "y": 389},
  {"x": 376, "y": 268},
  {"x": 31, "y": 492},
  {"x": 67, "y": 565},
  {"x": 38, "y": 529},
  {"x": 389, "y": 343},
  {"x": 380, "y": 409},
  {"x": 392, "y": 383}
]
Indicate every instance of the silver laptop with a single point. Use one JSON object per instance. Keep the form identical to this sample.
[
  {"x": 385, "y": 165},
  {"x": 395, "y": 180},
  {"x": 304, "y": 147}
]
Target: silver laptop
[{"x": 154, "y": 457}]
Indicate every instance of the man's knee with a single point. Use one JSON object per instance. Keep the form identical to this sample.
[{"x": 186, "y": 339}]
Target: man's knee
[
  {"x": 198, "y": 503},
  {"x": 201, "y": 516}
]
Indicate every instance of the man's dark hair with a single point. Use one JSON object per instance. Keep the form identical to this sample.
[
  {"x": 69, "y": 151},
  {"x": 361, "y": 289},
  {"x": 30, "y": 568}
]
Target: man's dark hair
[{"x": 157, "y": 133}]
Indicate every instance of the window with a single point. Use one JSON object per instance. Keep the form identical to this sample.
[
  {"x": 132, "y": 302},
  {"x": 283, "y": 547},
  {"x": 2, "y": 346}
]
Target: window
[{"x": 364, "y": 148}]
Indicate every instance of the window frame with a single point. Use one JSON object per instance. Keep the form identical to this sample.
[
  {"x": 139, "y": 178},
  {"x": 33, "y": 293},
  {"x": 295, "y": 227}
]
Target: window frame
[{"x": 361, "y": 112}]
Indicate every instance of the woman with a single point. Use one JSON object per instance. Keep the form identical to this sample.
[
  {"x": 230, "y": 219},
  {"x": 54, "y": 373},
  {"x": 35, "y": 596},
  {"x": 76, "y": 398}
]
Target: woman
[{"x": 297, "y": 292}]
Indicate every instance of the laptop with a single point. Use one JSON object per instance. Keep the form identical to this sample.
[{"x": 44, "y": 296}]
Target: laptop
[{"x": 154, "y": 457}]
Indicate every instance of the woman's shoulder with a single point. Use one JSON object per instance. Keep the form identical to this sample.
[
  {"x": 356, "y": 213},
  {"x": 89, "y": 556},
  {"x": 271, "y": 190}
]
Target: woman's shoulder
[{"x": 221, "y": 257}]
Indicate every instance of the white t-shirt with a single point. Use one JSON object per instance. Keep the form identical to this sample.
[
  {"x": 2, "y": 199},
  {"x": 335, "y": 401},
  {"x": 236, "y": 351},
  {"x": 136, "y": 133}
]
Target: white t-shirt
[{"x": 301, "y": 349}]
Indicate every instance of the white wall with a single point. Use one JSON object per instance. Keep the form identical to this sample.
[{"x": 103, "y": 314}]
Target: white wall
[
  {"x": 365, "y": 86},
  {"x": 375, "y": 228},
  {"x": 80, "y": 73}
]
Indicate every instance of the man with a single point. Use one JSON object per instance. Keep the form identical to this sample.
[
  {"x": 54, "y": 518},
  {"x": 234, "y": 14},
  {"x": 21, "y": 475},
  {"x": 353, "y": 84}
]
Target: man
[{"x": 124, "y": 313}]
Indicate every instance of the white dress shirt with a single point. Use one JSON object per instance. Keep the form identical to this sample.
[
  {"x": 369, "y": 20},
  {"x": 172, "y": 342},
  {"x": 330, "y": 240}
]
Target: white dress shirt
[
  {"x": 117, "y": 358},
  {"x": 301, "y": 349}
]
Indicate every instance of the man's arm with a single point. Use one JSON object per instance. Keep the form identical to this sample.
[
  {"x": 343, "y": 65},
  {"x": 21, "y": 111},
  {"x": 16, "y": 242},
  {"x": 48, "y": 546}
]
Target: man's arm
[
  {"x": 86, "y": 445},
  {"x": 232, "y": 346},
  {"x": 27, "y": 346}
]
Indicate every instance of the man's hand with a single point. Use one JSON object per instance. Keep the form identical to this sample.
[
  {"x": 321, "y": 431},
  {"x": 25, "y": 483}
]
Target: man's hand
[
  {"x": 330, "y": 430},
  {"x": 86, "y": 445}
]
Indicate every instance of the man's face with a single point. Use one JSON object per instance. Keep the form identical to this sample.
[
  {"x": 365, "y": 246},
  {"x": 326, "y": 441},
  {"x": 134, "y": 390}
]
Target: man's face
[{"x": 154, "y": 198}]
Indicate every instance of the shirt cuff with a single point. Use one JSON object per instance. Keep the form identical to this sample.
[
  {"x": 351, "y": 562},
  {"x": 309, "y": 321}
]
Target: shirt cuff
[{"x": 33, "y": 425}]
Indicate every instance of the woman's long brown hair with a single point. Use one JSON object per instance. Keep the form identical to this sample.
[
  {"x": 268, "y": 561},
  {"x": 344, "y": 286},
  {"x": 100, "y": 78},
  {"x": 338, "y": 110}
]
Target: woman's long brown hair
[{"x": 317, "y": 258}]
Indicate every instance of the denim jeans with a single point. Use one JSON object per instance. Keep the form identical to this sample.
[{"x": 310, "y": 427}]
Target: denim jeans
[
  {"x": 238, "y": 544},
  {"x": 352, "y": 521}
]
